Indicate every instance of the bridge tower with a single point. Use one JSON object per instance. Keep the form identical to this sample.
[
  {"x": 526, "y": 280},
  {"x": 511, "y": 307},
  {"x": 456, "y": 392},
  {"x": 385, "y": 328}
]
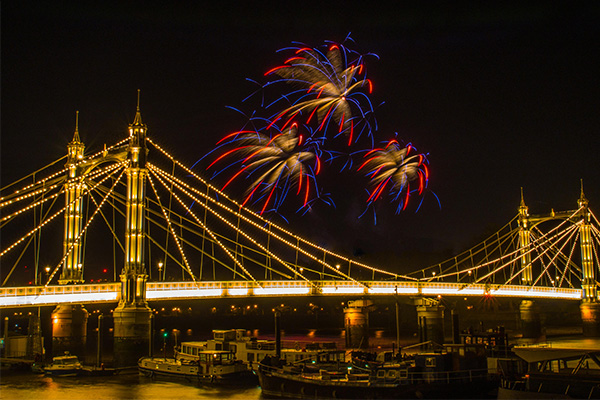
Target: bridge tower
[
  {"x": 72, "y": 267},
  {"x": 524, "y": 242},
  {"x": 530, "y": 313},
  {"x": 590, "y": 305},
  {"x": 132, "y": 316},
  {"x": 69, "y": 321}
]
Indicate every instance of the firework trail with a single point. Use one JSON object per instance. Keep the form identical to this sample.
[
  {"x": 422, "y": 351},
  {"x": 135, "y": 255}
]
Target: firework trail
[
  {"x": 330, "y": 88},
  {"x": 392, "y": 169},
  {"x": 275, "y": 165}
]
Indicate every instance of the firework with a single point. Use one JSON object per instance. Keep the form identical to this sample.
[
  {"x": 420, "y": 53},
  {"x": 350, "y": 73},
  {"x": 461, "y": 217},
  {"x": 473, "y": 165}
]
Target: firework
[
  {"x": 392, "y": 169},
  {"x": 331, "y": 87},
  {"x": 276, "y": 165}
]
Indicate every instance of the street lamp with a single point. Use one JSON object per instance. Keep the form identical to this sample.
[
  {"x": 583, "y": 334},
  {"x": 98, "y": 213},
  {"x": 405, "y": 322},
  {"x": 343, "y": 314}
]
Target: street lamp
[
  {"x": 160, "y": 266},
  {"x": 47, "y": 269}
]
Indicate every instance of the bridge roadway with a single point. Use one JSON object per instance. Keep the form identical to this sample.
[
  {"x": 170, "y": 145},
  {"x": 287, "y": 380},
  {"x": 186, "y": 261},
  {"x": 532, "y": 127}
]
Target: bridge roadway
[{"x": 109, "y": 292}]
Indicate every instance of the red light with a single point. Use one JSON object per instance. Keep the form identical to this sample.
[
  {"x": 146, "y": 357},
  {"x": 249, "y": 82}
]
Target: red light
[{"x": 105, "y": 270}]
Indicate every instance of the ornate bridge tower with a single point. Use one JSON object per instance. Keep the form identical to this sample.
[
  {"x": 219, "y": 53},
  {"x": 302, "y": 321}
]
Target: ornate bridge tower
[
  {"x": 530, "y": 314},
  {"x": 590, "y": 304},
  {"x": 132, "y": 315},
  {"x": 72, "y": 267},
  {"x": 524, "y": 242},
  {"x": 69, "y": 321}
]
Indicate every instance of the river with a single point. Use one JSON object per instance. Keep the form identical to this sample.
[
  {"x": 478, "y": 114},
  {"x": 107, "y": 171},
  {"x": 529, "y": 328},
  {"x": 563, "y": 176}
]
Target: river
[{"x": 123, "y": 386}]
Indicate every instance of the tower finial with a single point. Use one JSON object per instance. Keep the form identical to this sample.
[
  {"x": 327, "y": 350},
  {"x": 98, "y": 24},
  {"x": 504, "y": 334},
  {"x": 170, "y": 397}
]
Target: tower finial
[
  {"x": 138, "y": 116},
  {"x": 522, "y": 198},
  {"x": 76, "y": 134},
  {"x": 583, "y": 202}
]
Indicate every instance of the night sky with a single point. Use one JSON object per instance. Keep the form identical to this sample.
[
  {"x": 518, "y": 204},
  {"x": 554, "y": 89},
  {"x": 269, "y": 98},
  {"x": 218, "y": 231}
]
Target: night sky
[{"x": 500, "y": 97}]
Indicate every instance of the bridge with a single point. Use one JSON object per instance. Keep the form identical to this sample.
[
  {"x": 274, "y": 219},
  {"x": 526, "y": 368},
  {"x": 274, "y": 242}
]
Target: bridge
[{"x": 171, "y": 234}]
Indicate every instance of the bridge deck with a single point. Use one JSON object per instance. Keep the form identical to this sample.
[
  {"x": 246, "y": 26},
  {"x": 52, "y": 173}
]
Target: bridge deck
[{"x": 109, "y": 292}]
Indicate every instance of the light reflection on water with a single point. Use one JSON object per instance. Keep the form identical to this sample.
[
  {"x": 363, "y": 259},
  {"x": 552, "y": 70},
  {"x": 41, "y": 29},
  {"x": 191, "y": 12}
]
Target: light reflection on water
[{"x": 124, "y": 386}]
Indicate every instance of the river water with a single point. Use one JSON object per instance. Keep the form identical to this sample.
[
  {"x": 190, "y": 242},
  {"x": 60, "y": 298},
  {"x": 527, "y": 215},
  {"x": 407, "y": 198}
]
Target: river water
[{"x": 122, "y": 386}]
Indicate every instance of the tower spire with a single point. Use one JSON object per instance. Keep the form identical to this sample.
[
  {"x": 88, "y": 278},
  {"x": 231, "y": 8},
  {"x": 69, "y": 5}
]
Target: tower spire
[
  {"x": 583, "y": 202},
  {"x": 523, "y": 209},
  {"x": 76, "y": 134},
  {"x": 522, "y": 198},
  {"x": 138, "y": 116}
]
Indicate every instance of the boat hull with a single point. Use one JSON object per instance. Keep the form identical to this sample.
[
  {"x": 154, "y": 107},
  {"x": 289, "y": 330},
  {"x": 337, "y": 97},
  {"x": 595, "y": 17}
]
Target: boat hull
[
  {"x": 275, "y": 383},
  {"x": 171, "y": 369},
  {"x": 63, "y": 372}
]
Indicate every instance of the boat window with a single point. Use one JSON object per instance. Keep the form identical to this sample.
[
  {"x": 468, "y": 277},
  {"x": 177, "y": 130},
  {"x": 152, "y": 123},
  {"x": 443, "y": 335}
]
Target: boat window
[
  {"x": 250, "y": 357},
  {"x": 219, "y": 346},
  {"x": 430, "y": 362},
  {"x": 195, "y": 351},
  {"x": 381, "y": 373},
  {"x": 403, "y": 373}
]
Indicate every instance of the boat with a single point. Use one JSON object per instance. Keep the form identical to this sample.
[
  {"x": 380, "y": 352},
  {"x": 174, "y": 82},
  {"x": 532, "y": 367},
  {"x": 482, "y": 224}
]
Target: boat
[
  {"x": 251, "y": 350},
  {"x": 65, "y": 365},
  {"x": 455, "y": 372},
  {"x": 557, "y": 371},
  {"x": 195, "y": 364}
]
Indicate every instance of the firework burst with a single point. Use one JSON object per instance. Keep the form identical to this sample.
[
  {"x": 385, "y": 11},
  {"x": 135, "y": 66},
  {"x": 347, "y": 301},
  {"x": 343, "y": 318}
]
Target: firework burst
[
  {"x": 392, "y": 168},
  {"x": 276, "y": 165},
  {"x": 332, "y": 87}
]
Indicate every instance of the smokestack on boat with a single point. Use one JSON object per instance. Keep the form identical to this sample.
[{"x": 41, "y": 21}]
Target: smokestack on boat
[{"x": 277, "y": 334}]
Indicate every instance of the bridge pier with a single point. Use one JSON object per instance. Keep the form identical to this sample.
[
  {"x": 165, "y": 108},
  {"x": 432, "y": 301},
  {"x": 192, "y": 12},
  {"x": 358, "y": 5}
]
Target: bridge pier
[
  {"x": 69, "y": 329},
  {"x": 430, "y": 314},
  {"x": 132, "y": 330},
  {"x": 356, "y": 322},
  {"x": 590, "y": 318},
  {"x": 531, "y": 324}
]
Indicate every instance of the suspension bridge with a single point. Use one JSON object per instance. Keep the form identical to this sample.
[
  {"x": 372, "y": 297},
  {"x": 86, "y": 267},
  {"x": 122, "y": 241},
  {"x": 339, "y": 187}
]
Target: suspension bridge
[{"x": 133, "y": 205}]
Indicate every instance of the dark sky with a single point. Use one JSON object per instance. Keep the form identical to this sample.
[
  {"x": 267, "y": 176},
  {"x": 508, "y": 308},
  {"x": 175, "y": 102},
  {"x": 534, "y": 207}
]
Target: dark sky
[{"x": 501, "y": 97}]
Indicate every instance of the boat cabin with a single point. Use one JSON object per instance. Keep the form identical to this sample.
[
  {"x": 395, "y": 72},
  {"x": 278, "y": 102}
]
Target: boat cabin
[{"x": 65, "y": 360}]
